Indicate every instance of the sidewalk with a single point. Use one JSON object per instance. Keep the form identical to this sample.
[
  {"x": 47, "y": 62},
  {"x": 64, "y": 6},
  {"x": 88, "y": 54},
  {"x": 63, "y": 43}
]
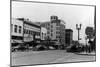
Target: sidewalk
[
  {"x": 25, "y": 53},
  {"x": 87, "y": 53}
]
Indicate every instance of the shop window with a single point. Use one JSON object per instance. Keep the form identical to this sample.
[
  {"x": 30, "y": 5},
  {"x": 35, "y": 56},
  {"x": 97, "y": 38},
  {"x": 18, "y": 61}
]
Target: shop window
[{"x": 20, "y": 28}]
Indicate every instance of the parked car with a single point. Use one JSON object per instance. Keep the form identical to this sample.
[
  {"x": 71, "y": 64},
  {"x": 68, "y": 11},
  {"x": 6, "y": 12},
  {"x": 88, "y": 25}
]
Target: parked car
[
  {"x": 30, "y": 48},
  {"x": 74, "y": 48},
  {"x": 22, "y": 48},
  {"x": 14, "y": 48},
  {"x": 40, "y": 47},
  {"x": 18, "y": 48},
  {"x": 51, "y": 48}
]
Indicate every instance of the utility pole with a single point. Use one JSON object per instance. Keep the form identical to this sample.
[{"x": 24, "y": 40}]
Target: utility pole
[{"x": 78, "y": 27}]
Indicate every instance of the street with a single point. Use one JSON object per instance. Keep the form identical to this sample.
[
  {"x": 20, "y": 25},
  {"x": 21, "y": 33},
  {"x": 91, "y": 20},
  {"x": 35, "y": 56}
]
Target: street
[{"x": 45, "y": 57}]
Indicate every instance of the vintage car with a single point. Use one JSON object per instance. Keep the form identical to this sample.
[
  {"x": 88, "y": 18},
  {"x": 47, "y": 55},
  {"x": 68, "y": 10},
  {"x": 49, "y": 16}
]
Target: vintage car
[{"x": 74, "y": 48}]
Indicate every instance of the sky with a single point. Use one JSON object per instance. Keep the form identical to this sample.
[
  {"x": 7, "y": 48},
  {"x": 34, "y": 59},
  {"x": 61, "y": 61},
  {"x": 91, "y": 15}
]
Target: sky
[{"x": 71, "y": 14}]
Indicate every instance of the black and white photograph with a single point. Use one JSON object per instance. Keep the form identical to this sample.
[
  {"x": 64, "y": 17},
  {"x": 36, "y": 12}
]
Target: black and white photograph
[{"x": 51, "y": 33}]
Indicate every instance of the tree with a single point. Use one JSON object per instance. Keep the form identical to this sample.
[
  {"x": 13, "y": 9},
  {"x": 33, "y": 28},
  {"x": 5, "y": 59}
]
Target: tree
[{"x": 90, "y": 32}]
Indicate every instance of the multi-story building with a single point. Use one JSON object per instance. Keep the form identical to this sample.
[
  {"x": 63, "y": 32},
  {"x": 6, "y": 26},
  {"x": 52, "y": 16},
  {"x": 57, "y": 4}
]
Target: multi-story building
[
  {"x": 43, "y": 33},
  {"x": 16, "y": 32},
  {"x": 25, "y": 30},
  {"x": 69, "y": 37},
  {"x": 47, "y": 26},
  {"x": 55, "y": 30},
  {"x": 31, "y": 31}
]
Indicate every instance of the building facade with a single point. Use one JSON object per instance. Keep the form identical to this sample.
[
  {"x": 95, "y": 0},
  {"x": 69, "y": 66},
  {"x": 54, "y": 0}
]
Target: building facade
[
  {"x": 43, "y": 33},
  {"x": 16, "y": 31},
  {"x": 69, "y": 37},
  {"x": 55, "y": 30},
  {"x": 31, "y": 32},
  {"x": 25, "y": 30}
]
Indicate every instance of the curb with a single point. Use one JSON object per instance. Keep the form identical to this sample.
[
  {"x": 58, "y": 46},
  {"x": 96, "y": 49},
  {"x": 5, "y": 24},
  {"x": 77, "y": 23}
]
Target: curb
[{"x": 86, "y": 54}]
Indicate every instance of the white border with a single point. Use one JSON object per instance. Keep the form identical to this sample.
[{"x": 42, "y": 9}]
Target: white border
[{"x": 5, "y": 34}]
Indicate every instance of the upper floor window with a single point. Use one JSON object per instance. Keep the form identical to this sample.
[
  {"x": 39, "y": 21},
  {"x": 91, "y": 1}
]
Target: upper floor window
[
  {"x": 51, "y": 34},
  {"x": 15, "y": 28},
  {"x": 48, "y": 32},
  {"x": 57, "y": 32},
  {"x": 48, "y": 28},
  {"x": 42, "y": 35},
  {"x": 51, "y": 26},
  {"x": 45, "y": 34},
  {"x": 58, "y": 24},
  {"x": 48, "y": 24},
  {"x": 51, "y": 30},
  {"x": 43, "y": 25},
  {"x": 25, "y": 31},
  {"x": 11, "y": 27},
  {"x": 20, "y": 28},
  {"x": 57, "y": 36},
  {"x": 58, "y": 28},
  {"x": 29, "y": 32}
]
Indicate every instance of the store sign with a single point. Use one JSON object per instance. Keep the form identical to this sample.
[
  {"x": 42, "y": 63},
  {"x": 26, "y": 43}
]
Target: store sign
[{"x": 28, "y": 37}]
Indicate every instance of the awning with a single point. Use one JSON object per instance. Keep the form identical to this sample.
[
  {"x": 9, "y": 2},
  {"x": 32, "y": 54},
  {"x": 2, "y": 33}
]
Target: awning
[{"x": 16, "y": 41}]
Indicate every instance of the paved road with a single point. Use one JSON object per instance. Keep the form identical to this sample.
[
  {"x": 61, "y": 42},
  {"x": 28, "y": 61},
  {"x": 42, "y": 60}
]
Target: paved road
[{"x": 45, "y": 57}]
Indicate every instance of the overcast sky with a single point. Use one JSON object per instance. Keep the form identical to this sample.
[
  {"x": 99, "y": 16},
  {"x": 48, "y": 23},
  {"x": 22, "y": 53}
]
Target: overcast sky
[{"x": 71, "y": 14}]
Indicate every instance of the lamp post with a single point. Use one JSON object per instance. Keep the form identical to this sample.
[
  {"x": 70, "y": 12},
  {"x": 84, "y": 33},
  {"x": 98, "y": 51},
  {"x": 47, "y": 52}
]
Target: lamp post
[{"x": 78, "y": 27}]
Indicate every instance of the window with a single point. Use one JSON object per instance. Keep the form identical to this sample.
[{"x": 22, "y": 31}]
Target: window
[
  {"x": 39, "y": 33},
  {"x": 11, "y": 27},
  {"x": 32, "y": 32},
  {"x": 51, "y": 26},
  {"x": 29, "y": 32},
  {"x": 26, "y": 31},
  {"x": 42, "y": 35},
  {"x": 51, "y": 34},
  {"x": 57, "y": 24},
  {"x": 51, "y": 30},
  {"x": 58, "y": 28},
  {"x": 45, "y": 34},
  {"x": 48, "y": 32},
  {"x": 48, "y": 28},
  {"x": 43, "y": 25},
  {"x": 57, "y": 36},
  {"x": 57, "y": 32},
  {"x": 48, "y": 24},
  {"x": 15, "y": 29},
  {"x": 20, "y": 29}
]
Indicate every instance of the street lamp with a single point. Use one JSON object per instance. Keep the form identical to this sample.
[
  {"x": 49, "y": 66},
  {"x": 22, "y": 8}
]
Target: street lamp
[{"x": 78, "y": 27}]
